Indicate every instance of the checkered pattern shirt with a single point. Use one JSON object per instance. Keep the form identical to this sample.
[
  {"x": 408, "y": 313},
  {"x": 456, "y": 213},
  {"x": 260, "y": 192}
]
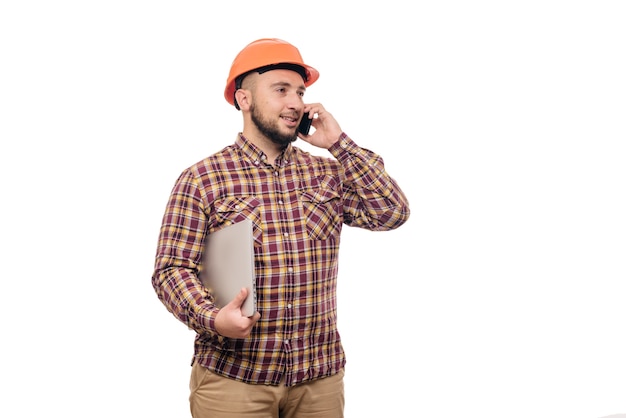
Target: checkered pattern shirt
[{"x": 298, "y": 206}]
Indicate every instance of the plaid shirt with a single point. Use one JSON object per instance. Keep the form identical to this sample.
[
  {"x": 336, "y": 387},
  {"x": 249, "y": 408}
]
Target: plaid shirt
[{"x": 298, "y": 206}]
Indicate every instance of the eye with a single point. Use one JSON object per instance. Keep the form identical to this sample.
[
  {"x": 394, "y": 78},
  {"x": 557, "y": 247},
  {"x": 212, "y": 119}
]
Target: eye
[{"x": 301, "y": 93}]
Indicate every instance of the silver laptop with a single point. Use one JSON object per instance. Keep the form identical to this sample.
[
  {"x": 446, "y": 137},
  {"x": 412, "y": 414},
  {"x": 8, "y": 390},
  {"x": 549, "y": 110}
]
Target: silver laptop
[{"x": 228, "y": 265}]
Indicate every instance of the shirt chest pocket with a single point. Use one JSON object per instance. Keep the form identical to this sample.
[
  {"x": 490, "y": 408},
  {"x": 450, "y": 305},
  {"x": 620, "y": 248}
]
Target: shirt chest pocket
[
  {"x": 233, "y": 209},
  {"x": 322, "y": 211}
]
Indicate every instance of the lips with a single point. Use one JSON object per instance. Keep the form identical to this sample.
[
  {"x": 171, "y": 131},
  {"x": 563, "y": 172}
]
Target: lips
[{"x": 291, "y": 120}]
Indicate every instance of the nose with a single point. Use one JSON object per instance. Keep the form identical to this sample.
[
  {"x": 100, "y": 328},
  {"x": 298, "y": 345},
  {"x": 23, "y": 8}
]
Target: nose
[{"x": 295, "y": 102}]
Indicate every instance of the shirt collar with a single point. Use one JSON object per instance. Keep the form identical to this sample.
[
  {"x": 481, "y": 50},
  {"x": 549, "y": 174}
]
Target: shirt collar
[{"x": 257, "y": 156}]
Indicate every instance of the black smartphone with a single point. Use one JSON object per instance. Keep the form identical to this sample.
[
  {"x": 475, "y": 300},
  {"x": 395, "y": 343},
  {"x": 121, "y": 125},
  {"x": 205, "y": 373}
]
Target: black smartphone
[{"x": 305, "y": 124}]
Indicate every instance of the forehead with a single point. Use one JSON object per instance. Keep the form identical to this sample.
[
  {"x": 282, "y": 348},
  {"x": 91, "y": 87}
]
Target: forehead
[{"x": 287, "y": 77}]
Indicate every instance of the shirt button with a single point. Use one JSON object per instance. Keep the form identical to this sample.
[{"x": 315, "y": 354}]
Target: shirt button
[
  {"x": 290, "y": 269},
  {"x": 286, "y": 234},
  {"x": 289, "y": 306},
  {"x": 238, "y": 207},
  {"x": 275, "y": 173},
  {"x": 280, "y": 202}
]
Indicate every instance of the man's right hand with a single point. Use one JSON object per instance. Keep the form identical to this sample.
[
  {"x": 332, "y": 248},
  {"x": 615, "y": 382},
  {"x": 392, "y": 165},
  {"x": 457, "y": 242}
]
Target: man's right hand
[{"x": 231, "y": 323}]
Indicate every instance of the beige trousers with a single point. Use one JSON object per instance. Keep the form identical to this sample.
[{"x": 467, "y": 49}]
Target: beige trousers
[{"x": 214, "y": 396}]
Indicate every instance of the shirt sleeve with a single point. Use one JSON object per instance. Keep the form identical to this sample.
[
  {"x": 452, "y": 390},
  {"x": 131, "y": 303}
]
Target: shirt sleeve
[
  {"x": 179, "y": 254},
  {"x": 372, "y": 199}
]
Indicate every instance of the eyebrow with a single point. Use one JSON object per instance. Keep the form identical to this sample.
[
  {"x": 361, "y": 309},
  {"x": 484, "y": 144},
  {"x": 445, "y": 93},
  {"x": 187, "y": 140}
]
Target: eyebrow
[{"x": 286, "y": 84}]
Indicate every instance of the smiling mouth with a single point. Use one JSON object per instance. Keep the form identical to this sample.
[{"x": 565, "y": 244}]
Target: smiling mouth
[{"x": 291, "y": 120}]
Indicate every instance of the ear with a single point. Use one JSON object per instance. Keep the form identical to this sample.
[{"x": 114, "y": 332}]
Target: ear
[{"x": 243, "y": 98}]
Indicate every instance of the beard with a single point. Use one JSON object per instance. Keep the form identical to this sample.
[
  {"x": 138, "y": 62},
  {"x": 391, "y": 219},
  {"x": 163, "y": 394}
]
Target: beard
[{"x": 271, "y": 129}]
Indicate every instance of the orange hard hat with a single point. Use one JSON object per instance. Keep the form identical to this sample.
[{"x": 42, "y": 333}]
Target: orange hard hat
[{"x": 264, "y": 55}]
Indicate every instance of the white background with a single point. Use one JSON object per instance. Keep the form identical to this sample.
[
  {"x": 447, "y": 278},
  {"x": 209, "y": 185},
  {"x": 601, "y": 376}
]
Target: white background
[{"x": 504, "y": 122}]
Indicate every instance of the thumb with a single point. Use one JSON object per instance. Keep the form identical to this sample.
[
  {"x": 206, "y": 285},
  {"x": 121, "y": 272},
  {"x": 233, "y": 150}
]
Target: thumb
[{"x": 239, "y": 298}]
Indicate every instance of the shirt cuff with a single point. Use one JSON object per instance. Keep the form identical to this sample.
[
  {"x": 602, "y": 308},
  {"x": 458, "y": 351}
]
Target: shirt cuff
[
  {"x": 206, "y": 318},
  {"x": 343, "y": 143}
]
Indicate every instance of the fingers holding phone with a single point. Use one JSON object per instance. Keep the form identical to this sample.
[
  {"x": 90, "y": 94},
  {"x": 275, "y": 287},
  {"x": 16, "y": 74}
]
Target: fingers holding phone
[{"x": 327, "y": 130}]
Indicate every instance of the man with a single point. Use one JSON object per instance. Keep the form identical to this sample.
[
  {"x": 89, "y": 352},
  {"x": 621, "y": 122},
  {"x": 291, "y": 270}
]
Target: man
[{"x": 286, "y": 360}]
